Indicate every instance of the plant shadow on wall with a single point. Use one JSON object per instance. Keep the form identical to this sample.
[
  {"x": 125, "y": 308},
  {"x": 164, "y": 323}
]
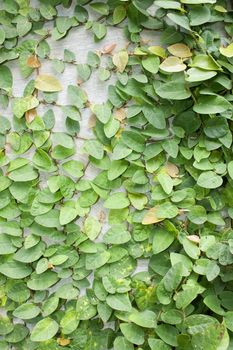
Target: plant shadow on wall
[{"x": 159, "y": 156}]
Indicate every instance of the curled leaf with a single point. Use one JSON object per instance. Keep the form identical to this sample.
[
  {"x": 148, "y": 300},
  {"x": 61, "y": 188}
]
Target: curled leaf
[{"x": 227, "y": 51}]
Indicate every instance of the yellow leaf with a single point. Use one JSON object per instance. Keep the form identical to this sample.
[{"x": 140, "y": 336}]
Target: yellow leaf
[
  {"x": 48, "y": 83},
  {"x": 227, "y": 51},
  {"x": 139, "y": 52},
  {"x": 120, "y": 60},
  {"x": 63, "y": 341},
  {"x": 150, "y": 217},
  {"x": 220, "y": 8},
  {"x": 158, "y": 51},
  {"x": 194, "y": 239},
  {"x": 172, "y": 169},
  {"x": 172, "y": 64},
  {"x": 180, "y": 50}
]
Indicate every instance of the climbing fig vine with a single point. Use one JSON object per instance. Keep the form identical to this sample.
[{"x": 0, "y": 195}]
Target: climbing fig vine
[{"x": 116, "y": 223}]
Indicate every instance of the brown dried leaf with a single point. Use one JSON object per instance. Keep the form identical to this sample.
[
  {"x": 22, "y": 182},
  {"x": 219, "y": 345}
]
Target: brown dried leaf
[
  {"x": 108, "y": 48},
  {"x": 102, "y": 216},
  {"x": 120, "y": 114},
  {"x": 33, "y": 62},
  {"x": 30, "y": 115},
  {"x": 172, "y": 169},
  {"x": 91, "y": 121}
]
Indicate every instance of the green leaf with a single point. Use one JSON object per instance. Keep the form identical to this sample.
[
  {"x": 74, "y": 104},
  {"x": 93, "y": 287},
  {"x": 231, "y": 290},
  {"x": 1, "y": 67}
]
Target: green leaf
[
  {"x": 101, "y": 8},
  {"x": 92, "y": 227},
  {"x": 230, "y": 169},
  {"x": 6, "y": 326},
  {"x": 117, "y": 168},
  {"x": 133, "y": 333},
  {"x": 180, "y": 20},
  {"x": 102, "y": 111},
  {"x": 69, "y": 322},
  {"x": 67, "y": 214},
  {"x": 18, "y": 334},
  {"x": 6, "y": 78},
  {"x": 146, "y": 319},
  {"x": 173, "y": 277},
  {"x": 166, "y": 182},
  {"x": 84, "y": 72},
  {"x": 211, "y": 105},
  {"x": 196, "y": 2},
  {"x": 15, "y": 269},
  {"x": 44, "y": 330},
  {"x": 216, "y": 127},
  {"x": 120, "y": 343},
  {"x": 197, "y": 215},
  {"x": 6, "y": 246},
  {"x": 76, "y": 96},
  {"x": 157, "y": 344},
  {"x": 214, "y": 304},
  {"x": 168, "y": 334},
  {"x": 151, "y": 64},
  {"x": 229, "y": 320},
  {"x": 133, "y": 140},
  {"x": 197, "y": 74},
  {"x": 95, "y": 261},
  {"x": 119, "y": 14},
  {"x": 99, "y": 30},
  {"x": 173, "y": 5},
  {"x": 24, "y": 104},
  {"x": 199, "y": 15},
  {"x": 117, "y": 235},
  {"x": 117, "y": 201},
  {"x": 73, "y": 168},
  {"x": 155, "y": 116},
  {"x": 85, "y": 310},
  {"x": 94, "y": 148},
  {"x": 209, "y": 179},
  {"x": 42, "y": 281},
  {"x": 26, "y": 311},
  {"x": 119, "y": 302},
  {"x": 162, "y": 240},
  {"x": 50, "y": 219},
  {"x": 173, "y": 91},
  {"x": 205, "y": 62}
]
